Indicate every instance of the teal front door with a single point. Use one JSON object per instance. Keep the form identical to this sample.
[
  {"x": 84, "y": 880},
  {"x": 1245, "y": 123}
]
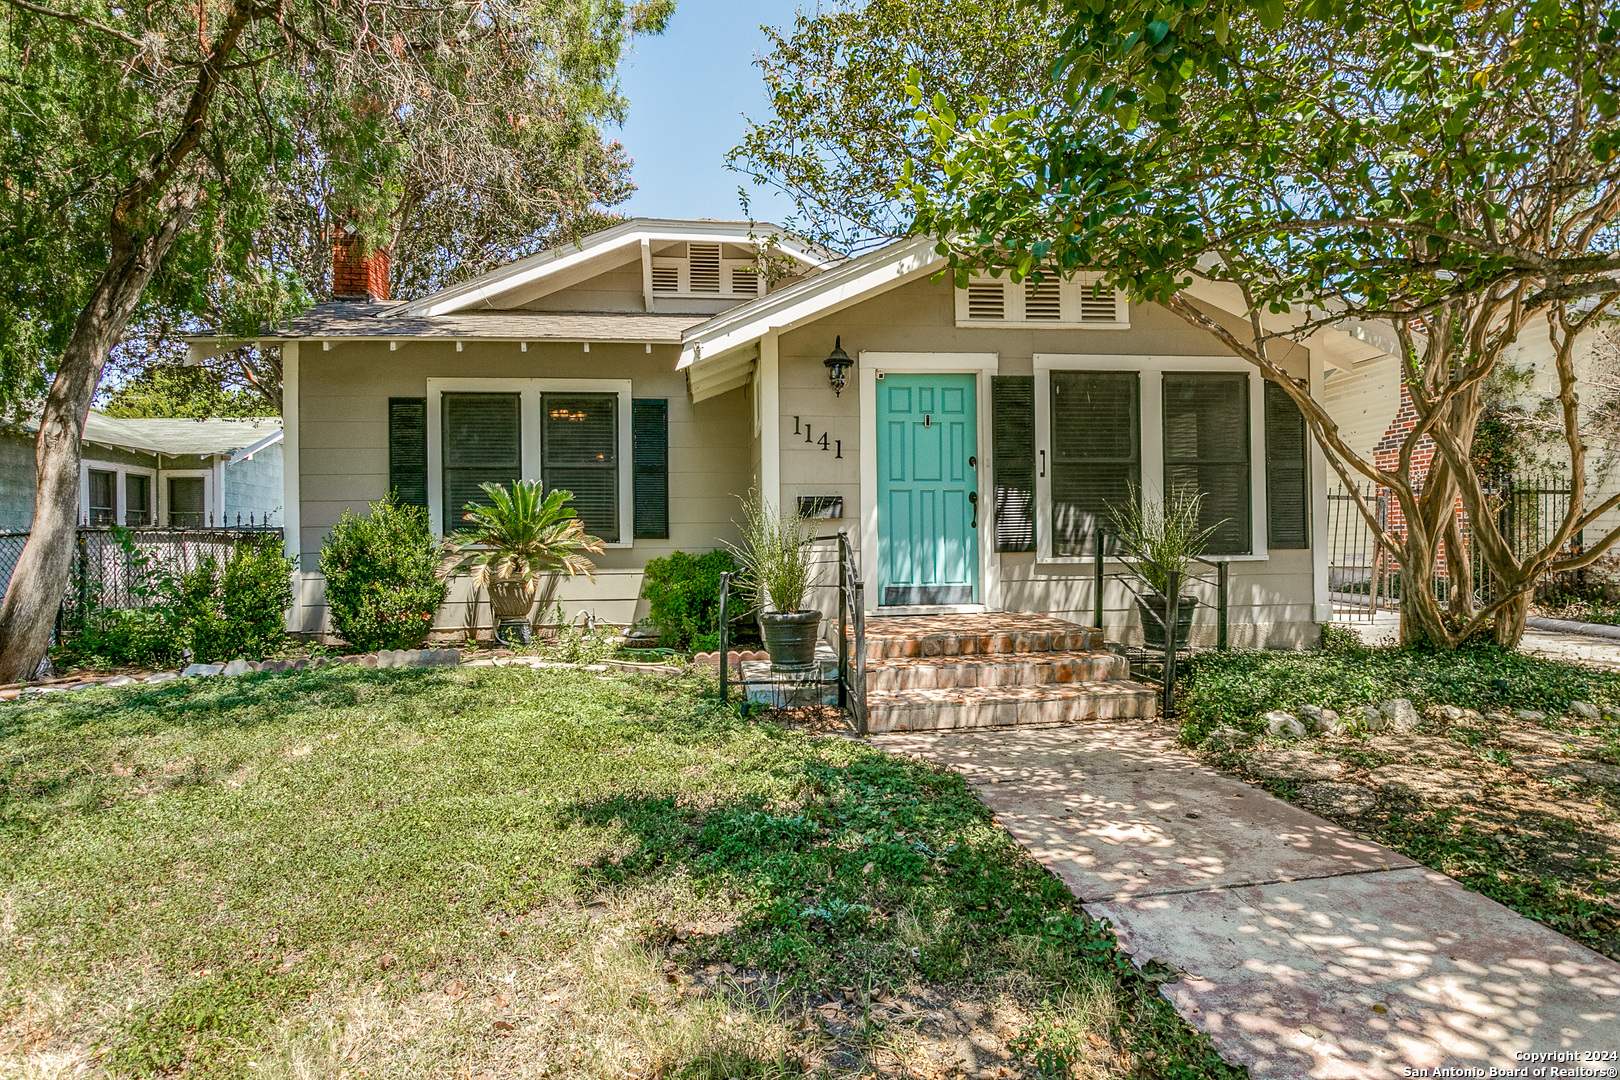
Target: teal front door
[{"x": 928, "y": 545}]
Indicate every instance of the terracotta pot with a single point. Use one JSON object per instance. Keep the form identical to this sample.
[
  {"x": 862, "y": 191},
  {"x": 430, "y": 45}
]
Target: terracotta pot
[
  {"x": 790, "y": 638},
  {"x": 512, "y": 598}
]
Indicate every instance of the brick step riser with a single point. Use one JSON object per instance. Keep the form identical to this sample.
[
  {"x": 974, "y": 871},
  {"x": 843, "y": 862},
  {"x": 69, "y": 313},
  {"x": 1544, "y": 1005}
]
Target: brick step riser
[
  {"x": 900, "y": 648},
  {"x": 1101, "y": 706},
  {"x": 1006, "y": 673}
]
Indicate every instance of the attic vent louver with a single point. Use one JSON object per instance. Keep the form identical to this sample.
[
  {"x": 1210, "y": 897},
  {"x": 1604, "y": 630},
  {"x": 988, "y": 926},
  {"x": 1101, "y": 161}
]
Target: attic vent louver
[
  {"x": 703, "y": 267},
  {"x": 745, "y": 280},
  {"x": 1097, "y": 304},
  {"x": 666, "y": 276},
  {"x": 987, "y": 300},
  {"x": 1042, "y": 301}
]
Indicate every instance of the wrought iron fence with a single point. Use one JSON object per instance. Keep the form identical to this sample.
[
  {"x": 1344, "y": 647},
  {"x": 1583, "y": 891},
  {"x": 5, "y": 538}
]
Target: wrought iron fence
[
  {"x": 115, "y": 568},
  {"x": 1363, "y": 579}
]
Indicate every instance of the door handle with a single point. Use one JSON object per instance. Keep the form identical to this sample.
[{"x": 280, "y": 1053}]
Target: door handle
[
  {"x": 1043, "y": 462},
  {"x": 973, "y": 500}
]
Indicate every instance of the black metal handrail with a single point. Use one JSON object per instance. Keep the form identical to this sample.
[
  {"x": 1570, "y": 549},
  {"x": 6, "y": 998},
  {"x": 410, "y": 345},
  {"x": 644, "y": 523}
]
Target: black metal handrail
[
  {"x": 851, "y": 646},
  {"x": 1174, "y": 581}
]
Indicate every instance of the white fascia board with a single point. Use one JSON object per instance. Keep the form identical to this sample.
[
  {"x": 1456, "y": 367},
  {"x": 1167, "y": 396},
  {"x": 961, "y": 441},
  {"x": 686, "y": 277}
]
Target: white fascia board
[
  {"x": 248, "y": 451},
  {"x": 811, "y": 299},
  {"x": 481, "y": 289}
]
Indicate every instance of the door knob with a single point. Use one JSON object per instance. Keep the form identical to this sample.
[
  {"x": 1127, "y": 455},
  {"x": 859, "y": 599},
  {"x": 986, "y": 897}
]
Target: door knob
[
  {"x": 973, "y": 461},
  {"x": 973, "y": 500}
]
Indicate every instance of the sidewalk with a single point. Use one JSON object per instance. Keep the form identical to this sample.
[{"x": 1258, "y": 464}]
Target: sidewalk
[
  {"x": 1554, "y": 644},
  {"x": 1302, "y": 949}
]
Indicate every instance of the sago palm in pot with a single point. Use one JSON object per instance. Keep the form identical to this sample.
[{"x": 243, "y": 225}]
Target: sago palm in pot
[
  {"x": 779, "y": 571},
  {"x": 519, "y": 538}
]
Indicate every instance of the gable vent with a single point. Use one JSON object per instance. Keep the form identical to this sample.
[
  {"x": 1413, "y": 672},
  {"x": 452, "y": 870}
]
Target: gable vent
[
  {"x": 703, "y": 267},
  {"x": 745, "y": 280},
  {"x": 666, "y": 276},
  {"x": 986, "y": 300},
  {"x": 1097, "y": 304},
  {"x": 1041, "y": 300}
]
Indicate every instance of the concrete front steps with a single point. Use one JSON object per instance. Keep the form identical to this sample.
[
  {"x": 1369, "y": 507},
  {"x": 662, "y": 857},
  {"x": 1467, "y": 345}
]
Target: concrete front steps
[{"x": 996, "y": 669}]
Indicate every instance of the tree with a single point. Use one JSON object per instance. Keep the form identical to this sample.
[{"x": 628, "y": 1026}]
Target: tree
[
  {"x": 843, "y": 127},
  {"x": 145, "y": 141},
  {"x": 1446, "y": 167},
  {"x": 175, "y": 391}
]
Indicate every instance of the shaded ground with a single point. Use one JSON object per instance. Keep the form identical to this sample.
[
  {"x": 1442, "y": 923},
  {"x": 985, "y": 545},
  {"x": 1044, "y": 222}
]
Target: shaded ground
[
  {"x": 503, "y": 872},
  {"x": 1524, "y": 808}
]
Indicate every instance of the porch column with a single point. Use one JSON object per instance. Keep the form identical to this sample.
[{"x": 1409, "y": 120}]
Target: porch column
[
  {"x": 289, "y": 480},
  {"x": 770, "y": 422},
  {"x": 1322, "y": 603}
]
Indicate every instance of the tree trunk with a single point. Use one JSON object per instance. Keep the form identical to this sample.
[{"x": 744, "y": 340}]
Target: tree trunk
[
  {"x": 28, "y": 612},
  {"x": 1508, "y": 627}
]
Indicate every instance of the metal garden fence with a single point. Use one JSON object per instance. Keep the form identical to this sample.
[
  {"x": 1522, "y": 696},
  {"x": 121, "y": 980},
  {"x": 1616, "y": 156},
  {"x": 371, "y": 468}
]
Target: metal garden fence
[
  {"x": 1363, "y": 579},
  {"x": 111, "y": 565}
]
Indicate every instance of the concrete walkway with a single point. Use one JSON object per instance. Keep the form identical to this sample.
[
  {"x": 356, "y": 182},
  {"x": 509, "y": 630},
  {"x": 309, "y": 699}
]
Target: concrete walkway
[
  {"x": 1304, "y": 950},
  {"x": 1561, "y": 643}
]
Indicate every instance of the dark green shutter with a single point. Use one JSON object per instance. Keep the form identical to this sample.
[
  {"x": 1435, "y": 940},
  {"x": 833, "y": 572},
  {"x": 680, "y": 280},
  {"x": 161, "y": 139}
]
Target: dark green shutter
[
  {"x": 1096, "y": 453},
  {"x": 1288, "y": 513},
  {"x": 1012, "y": 401},
  {"x": 1206, "y": 449},
  {"x": 482, "y": 437},
  {"x": 649, "y": 459},
  {"x": 407, "y": 449},
  {"x": 580, "y": 452}
]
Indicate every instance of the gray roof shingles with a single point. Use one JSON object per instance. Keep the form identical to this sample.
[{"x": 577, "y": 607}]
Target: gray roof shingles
[{"x": 348, "y": 319}]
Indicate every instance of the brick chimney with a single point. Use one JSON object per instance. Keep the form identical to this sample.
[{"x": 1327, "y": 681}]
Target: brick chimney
[{"x": 357, "y": 275}]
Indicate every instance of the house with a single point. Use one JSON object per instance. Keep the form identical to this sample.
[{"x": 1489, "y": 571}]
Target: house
[
  {"x": 167, "y": 472},
  {"x": 659, "y": 369}
]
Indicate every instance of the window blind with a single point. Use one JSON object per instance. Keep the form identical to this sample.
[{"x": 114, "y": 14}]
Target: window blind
[
  {"x": 1096, "y": 453},
  {"x": 103, "y": 497},
  {"x": 1206, "y": 449},
  {"x": 481, "y": 436},
  {"x": 579, "y": 451},
  {"x": 137, "y": 499},
  {"x": 1012, "y": 401},
  {"x": 1288, "y": 515}
]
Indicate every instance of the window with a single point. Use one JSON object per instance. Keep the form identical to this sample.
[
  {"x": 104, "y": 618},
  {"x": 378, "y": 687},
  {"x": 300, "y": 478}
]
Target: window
[
  {"x": 103, "y": 497},
  {"x": 1206, "y": 450},
  {"x": 482, "y": 440},
  {"x": 137, "y": 499},
  {"x": 482, "y": 443},
  {"x": 1096, "y": 452},
  {"x": 1077, "y": 303},
  {"x": 580, "y": 452},
  {"x": 187, "y": 502}
]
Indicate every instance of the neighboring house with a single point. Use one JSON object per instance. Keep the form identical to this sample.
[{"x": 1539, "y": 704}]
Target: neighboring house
[
  {"x": 656, "y": 372},
  {"x": 170, "y": 472}
]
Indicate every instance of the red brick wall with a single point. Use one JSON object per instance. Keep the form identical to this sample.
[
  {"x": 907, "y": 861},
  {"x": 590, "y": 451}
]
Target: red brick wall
[
  {"x": 355, "y": 274},
  {"x": 1387, "y": 455}
]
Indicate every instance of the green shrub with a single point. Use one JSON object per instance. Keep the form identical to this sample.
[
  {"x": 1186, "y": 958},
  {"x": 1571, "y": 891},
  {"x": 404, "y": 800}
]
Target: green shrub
[
  {"x": 1240, "y": 687},
  {"x": 382, "y": 576},
  {"x": 240, "y": 610},
  {"x": 141, "y": 637},
  {"x": 683, "y": 596}
]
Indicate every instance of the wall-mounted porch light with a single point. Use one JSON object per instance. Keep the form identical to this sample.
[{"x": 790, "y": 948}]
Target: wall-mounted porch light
[{"x": 837, "y": 366}]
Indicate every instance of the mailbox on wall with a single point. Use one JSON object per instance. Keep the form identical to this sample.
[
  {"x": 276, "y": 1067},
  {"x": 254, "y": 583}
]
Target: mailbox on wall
[{"x": 821, "y": 507}]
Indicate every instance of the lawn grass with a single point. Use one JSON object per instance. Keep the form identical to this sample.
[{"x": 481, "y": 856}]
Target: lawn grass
[{"x": 504, "y": 872}]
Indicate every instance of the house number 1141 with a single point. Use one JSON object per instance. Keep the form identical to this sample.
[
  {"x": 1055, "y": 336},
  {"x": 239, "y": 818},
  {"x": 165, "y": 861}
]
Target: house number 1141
[{"x": 836, "y": 445}]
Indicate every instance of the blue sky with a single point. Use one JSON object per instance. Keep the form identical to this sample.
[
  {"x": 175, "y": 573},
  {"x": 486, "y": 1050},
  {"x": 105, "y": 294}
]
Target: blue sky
[{"x": 689, "y": 90}]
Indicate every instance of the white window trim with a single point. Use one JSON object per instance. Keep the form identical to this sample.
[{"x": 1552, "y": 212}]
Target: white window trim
[
  {"x": 1152, "y": 370},
  {"x": 1069, "y": 292},
  {"x": 209, "y": 489},
  {"x": 119, "y": 509},
  {"x": 529, "y": 391},
  {"x": 984, "y": 365}
]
